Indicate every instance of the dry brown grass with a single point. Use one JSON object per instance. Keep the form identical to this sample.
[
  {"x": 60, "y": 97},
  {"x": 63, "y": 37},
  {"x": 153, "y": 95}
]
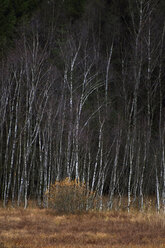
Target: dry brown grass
[{"x": 40, "y": 228}]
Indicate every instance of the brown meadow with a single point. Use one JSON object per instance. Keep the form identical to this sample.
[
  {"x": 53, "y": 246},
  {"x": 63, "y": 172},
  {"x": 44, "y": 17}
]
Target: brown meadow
[{"x": 42, "y": 228}]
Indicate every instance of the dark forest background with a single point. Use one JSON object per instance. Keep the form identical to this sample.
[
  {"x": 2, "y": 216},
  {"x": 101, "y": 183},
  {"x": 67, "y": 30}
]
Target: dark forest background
[{"x": 82, "y": 95}]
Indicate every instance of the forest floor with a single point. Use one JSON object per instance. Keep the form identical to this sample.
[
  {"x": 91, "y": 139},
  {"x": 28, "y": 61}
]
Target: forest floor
[{"x": 41, "y": 228}]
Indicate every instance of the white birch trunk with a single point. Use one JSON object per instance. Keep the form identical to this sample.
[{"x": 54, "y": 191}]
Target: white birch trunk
[
  {"x": 97, "y": 157},
  {"x": 157, "y": 188},
  {"x": 113, "y": 183},
  {"x": 107, "y": 74}
]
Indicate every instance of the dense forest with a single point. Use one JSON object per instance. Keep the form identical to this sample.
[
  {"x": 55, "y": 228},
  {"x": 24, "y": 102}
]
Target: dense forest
[{"x": 82, "y": 95}]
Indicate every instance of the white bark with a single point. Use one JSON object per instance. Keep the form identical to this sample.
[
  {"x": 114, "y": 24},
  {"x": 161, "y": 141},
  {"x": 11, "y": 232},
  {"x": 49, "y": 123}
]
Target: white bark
[{"x": 114, "y": 175}]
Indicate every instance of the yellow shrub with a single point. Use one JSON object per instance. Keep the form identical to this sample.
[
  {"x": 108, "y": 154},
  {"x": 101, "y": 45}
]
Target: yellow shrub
[{"x": 69, "y": 196}]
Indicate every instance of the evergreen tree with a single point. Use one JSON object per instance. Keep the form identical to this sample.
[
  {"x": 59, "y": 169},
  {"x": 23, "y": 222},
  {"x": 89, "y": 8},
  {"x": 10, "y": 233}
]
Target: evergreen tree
[{"x": 12, "y": 14}]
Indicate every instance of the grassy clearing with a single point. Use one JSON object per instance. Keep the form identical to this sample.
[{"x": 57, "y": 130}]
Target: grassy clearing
[{"x": 41, "y": 228}]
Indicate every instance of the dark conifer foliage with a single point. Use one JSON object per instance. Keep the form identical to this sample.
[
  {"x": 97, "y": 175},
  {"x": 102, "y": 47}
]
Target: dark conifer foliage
[{"x": 12, "y": 14}]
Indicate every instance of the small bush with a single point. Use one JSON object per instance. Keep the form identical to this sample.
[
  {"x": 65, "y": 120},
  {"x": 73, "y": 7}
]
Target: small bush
[{"x": 70, "y": 197}]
